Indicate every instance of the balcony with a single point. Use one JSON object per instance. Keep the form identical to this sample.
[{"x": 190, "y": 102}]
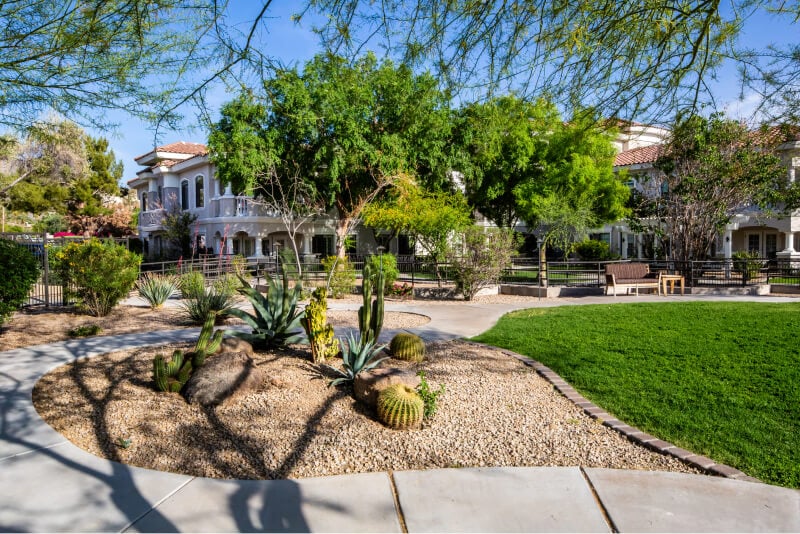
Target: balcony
[{"x": 152, "y": 218}]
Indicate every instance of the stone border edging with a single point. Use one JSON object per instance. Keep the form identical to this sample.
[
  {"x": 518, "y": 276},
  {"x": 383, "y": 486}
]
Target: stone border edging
[{"x": 633, "y": 434}]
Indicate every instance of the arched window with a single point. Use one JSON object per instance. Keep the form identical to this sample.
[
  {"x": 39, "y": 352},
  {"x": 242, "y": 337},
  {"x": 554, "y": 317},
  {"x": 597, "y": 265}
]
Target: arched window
[
  {"x": 144, "y": 201},
  {"x": 199, "y": 200},
  {"x": 185, "y": 195}
]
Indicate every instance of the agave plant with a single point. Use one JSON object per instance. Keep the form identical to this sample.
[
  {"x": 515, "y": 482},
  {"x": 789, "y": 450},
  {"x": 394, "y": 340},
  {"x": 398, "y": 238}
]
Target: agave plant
[
  {"x": 276, "y": 320},
  {"x": 358, "y": 354},
  {"x": 208, "y": 302},
  {"x": 156, "y": 288}
]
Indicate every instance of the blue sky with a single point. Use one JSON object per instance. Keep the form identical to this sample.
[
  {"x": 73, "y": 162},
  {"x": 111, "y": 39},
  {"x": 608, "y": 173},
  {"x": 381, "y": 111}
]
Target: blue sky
[{"x": 291, "y": 44}]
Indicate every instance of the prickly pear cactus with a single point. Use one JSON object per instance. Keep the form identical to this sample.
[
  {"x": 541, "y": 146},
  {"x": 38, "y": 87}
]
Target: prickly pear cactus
[
  {"x": 400, "y": 407},
  {"x": 320, "y": 334},
  {"x": 407, "y": 346},
  {"x": 171, "y": 375}
]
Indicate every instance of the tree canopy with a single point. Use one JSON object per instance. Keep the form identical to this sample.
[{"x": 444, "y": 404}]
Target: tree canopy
[
  {"x": 349, "y": 128},
  {"x": 58, "y": 167},
  {"x": 521, "y": 161},
  {"x": 712, "y": 167}
]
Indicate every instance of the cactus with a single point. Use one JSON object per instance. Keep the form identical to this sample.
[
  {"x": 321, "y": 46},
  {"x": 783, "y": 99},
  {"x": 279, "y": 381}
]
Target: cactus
[
  {"x": 407, "y": 346},
  {"x": 320, "y": 334},
  {"x": 400, "y": 407},
  {"x": 208, "y": 342},
  {"x": 171, "y": 375},
  {"x": 370, "y": 314}
]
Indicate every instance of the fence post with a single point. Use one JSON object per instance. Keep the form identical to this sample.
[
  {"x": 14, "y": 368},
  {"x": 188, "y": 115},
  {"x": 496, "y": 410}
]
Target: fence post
[{"x": 45, "y": 271}]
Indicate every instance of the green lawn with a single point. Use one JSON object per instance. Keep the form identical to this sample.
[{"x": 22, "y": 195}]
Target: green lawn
[{"x": 719, "y": 379}]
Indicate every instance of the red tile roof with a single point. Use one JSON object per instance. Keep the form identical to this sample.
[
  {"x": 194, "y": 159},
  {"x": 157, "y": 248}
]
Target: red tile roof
[
  {"x": 181, "y": 147},
  {"x": 634, "y": 156}
]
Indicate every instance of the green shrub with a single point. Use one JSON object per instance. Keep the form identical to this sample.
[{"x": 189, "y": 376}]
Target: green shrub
[
  {"x": 156, "y": 288},
  {"x": 84, "y": 330},
  {"x": 343, "y": 280},
  {"x": 593, "y": 250},
  {"x": 429, "y": 396},
  {"x": 227, "y": 284},
  {"x": 484, "y": 255},
  {"x": 388, "y": 262},
  {"x": 20, "y": 270},
  {"x": 192, "y": 285},
  {"x": 747, "y": 263},
  {"x": 98, "y": 274}
]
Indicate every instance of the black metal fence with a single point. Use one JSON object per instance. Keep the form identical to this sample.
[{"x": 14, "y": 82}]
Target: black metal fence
[{"x": 416, "y": 270}]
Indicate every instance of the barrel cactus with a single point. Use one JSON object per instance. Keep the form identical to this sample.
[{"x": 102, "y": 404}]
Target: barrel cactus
[
  {"x": 171, "y": 375},
  {"x": 400, "y": 407},
  {"x": 407, "y": 346}
]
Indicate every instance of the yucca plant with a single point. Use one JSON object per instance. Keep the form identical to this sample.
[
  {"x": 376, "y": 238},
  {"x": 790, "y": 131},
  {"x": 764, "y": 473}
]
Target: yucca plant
[
  {"x": 209, "y": 301},
  {"x": 358, "y": 355},
  {"x": 276, "y": 320},
  {"x": 156, "y": 288}
]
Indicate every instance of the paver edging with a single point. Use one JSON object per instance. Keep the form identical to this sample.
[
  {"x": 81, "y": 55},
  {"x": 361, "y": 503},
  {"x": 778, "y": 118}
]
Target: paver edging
[{"x": 633, "y": 434}]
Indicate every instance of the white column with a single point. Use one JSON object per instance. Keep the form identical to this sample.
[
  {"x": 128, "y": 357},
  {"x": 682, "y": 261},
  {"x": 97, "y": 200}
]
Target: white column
[
  {"x": 623, "y": 243},
  {"x": 727, "y": 244},
  {"x": 789, "y": 242}
]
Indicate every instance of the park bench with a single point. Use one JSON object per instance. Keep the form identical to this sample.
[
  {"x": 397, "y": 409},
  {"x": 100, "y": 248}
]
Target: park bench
[{"x": 629, "y": 276}]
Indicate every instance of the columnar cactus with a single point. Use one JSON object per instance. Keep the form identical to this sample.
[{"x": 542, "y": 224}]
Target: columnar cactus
[
  {"x": 407, "y": 346},
  {"x": 400, "y": 407},
  {"x": 208, "y": 342},
  {"x": 320, "y": 334},
  {"x": 370, "y": 315},
  {"x": 171, "y": 375}
]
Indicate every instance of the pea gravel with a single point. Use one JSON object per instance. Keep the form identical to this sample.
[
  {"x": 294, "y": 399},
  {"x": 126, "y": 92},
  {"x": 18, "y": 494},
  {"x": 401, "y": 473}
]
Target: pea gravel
[{"x": 495, "y": 411}]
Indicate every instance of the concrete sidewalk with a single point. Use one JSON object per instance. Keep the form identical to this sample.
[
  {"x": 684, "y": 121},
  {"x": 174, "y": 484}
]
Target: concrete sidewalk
[{"x": 48, "y": 484}]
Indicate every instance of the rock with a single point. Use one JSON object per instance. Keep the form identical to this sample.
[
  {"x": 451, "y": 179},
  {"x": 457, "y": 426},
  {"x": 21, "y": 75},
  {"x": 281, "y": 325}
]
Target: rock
[
  {"x": 223, "y": 376},
  {"x": 235, "y": 344},
  {"x": 369, "y": 384}
]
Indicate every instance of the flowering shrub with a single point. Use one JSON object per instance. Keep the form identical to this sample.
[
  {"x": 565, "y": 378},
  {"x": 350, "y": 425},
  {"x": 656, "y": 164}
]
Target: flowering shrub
[
  {"x": 98, "y": 274},
  {"x": 20, "y": 270},
  {"x": 400, "y": 290}
]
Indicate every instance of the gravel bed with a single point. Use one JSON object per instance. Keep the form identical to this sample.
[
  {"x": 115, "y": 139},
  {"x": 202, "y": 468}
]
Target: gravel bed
[{"x": 495, "y": 412}]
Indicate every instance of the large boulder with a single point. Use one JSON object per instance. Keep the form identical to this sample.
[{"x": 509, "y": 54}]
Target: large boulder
[
  {"x": 235, "y": 344},
  {"x": 368, "y": 384},
  {"x": 223, "y": 376}
]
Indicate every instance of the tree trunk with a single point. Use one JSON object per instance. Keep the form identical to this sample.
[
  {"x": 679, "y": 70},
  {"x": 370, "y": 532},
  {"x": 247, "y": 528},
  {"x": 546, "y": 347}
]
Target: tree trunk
[{"x": 342, "y": 228}]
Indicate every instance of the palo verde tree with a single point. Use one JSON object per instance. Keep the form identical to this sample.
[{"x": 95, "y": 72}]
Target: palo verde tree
[
  {"x": 349, "y": 129},
  {"x": 713, "y": 166},
  {"x": 430, "y": 218}
]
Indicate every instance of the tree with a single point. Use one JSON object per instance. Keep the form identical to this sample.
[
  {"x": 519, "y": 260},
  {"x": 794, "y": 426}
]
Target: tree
[
  {"x": 58, "y": 168},
  {"x": 621, "y": 58},
  {"x": 503, "y": 144},
  {"x": 348, "y": 129},
  {"x": 713, "y": 166},
  {"x": 80, "y": 57},
  {"x": 430, "y": 219},
  {"x": 177, "y": 226}
]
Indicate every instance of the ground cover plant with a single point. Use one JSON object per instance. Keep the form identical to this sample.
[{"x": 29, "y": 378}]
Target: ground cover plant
[{"x": 721, "y": 379}]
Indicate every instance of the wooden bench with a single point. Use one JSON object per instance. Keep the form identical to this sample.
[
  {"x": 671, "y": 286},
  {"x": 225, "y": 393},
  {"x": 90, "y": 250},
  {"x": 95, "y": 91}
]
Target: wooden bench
[{"x": 631, "y": 276}]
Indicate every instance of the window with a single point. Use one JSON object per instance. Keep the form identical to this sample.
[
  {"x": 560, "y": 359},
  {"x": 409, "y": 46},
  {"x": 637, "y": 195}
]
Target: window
[
  {"x": 405, "y": 246},
  {"x": 771, "y": 245},
  {"x": 199, "y": 199},
  {"x": 144, "y": 201},
  {"x": 754, "y": 243},
  {"x": 185, "y": 195},
  {"x": 605, "y": 237},
  {"x": 322, "y": 244}
]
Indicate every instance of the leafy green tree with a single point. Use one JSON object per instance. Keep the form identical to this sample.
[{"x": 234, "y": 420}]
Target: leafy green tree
[
  {"x": 430, "y": 218},
  {"x": 102, "y": 179},
  {"x": 711, "y": 166},
  {"x": 177, "y": 226},
  {"x": 20, "y": 271},
  {"x": 349, "y": 128}
]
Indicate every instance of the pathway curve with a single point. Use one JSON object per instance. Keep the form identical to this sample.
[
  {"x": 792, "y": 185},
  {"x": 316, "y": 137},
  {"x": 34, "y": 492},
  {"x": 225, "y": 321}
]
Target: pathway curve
[{"x": 48, "y": 484}]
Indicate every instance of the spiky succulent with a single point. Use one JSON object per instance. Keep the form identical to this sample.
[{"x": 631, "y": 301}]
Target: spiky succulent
[
  {"x": 276, "y": 320},
  {"x": 357, "y": 355},
  {"x": 407, "y": 346},
  {"x": 171, "y": 375},
  {"x": 400, "y": 407}
]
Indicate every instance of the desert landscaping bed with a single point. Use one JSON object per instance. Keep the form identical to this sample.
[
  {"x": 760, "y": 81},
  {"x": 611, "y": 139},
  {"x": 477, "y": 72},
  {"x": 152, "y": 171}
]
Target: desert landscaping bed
[{"x": 495, "y": 412}]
